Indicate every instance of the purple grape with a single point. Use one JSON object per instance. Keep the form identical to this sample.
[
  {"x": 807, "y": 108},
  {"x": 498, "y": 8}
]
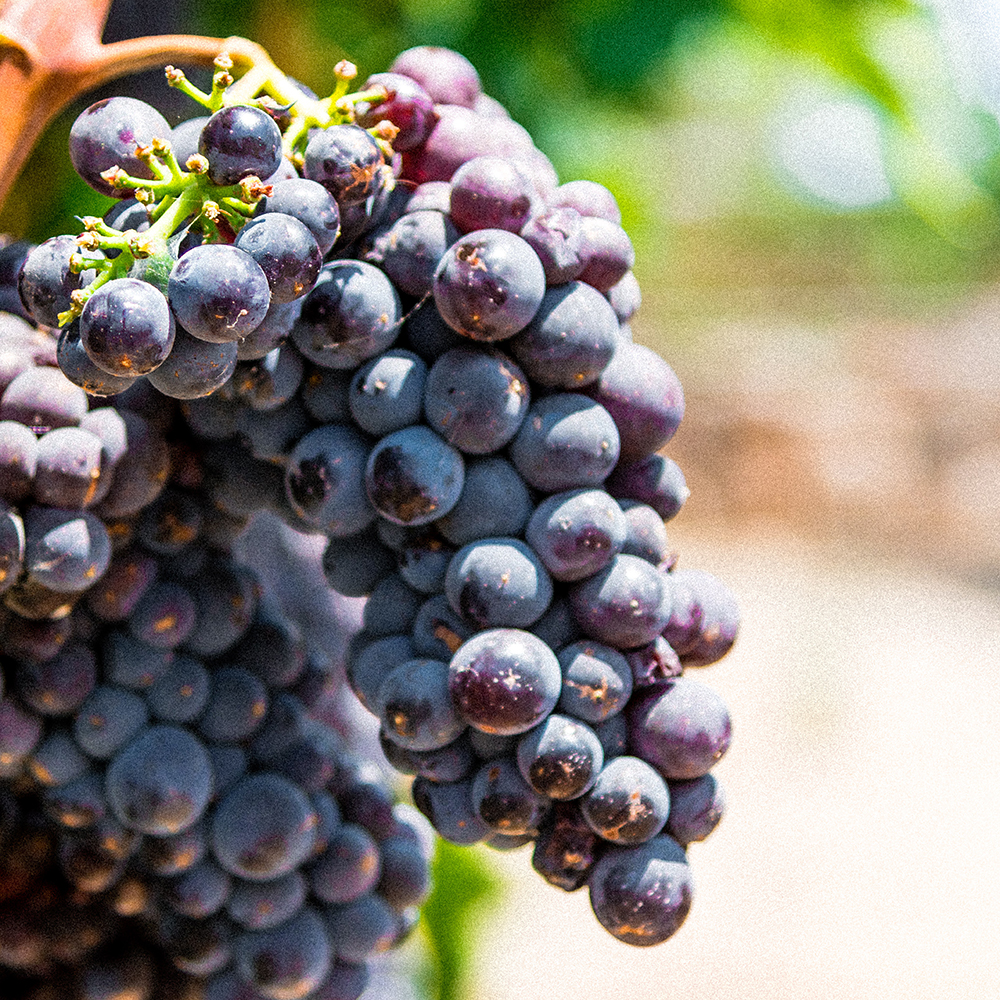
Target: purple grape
[
  {"x": 45, "y": 281},
  {"x": 413, "y": 477},
  {"x": 448, "y": 805},
  {"x": 68, "y": 469},
  {"x": 65, "y": 550},
  {"x": 268, "y": 382},
  {"x": 387, "y": 393},
  {"x": 626, "y": 604},
  {"x": 325, "y": 480},
  {"x": 566, "y": 848},
  {"x": 434, "y": 196},
  {"x": 195, "y": 367},
  {"x": 106, "y": 135},
  {"x": 347, "y": 161},
  {"x": 351, "y": 315},
  {"x": 628, "y": 803},
  {"x": 589, "y": 199},
  {"x": 560, "y": 758},
  {"x": 414, "y": 706},
  {"x": 75, "y": 363},
  {"x": 446, "y": 75},
  {"x": 597, "y": 681},
  {"x": 181, "y": 694},
  {"x": 577, "y": 533},
  {"x": 641, "y": 895},
  {"x": 505, "y": 801},
  {"x": 474, "y": 400},
  {"x": 494, "y": 502},
  {"x": 240, "y": 141},
  {"x": 489, "y": 192},
  {"x": 606, "y": 253},
  {"x": 566, "y": 441},
  {"x": 489, "y": 285},
  {"x": 498, "y": 583},
  {"x": 717, "y": 618},
  {"x": 218, "y": 292},
  {"x": 43, "y": 398},
  {"x": 681, "y": 727},
  {"x": 286, "y": 251},
  {"x": 407, "y": 105},
  {"x": 644, "y": 396},
  {"x": 58, "y": 687},
  {"x": 424, "y": 563},
  {"x": 287, "y": 961},
  {"x": 555, "y": 236},
  {"x": 504, "y": 681},
  {"x": 646, "y": 535},
  {"x": 184, "y": 138},
  {"x": 438, "y": 630},
  {"x": 160, "y": 783},
  {"x": 310, "y": 203},
  {"x": 656, "y": 481},
  {"x": 354, "y": 565},
  {"x": 696, "y": 807},
  {"x": 625, "y": 297},
  {"x": 260, "y": 905},
  {"x": 127, "y": 328},
  {"x": 571, "y": 338},
  {"x": 18, "y": 460},
  {"x": 348, "y": 868},
  {"x": 410, "y": 249},
  {"x": 362, "y": 928}
]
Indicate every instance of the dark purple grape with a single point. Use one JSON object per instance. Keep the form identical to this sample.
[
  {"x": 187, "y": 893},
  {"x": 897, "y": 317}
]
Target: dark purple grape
[
  {"x": 286, "y": 251},
  {"x": 108, "y": 718},
  {"x": 353, "y": 565},
  {"x": 654, "y": 663},
  {"x": 325, "y": 480},
  {"x": 560, "y": 758},
  {"x": 263, "y": 828},
  {"x": 59, "y": 686},
  {"x": 20, "y": 732},
  {"x": 240, "y": 141},
  {"x": 413, "y": 477},
  {"x": 452, "y": 762},
  {"x": 414, "y": 705},
  {"x": 160, "y": 783},
  {"x": 504, "y": 681},
  {"x": 348, "y": 868},
  {"x": 434, "y": 196},
  {"x": 489, "y": 192},
  {"x": 576, "y": 533},
  {"x": 325, "y": 393},
  {"x": 129, "y": 575},
  {"x": 351, "y": 315},
  {"x": 494, "y": 502},
  {"x": 589, "y": 199},
  {"x": 218, "y": 293},
  {"x": 643, "y": 395},
  {"x": 597, "y": 681},
  {"x": 498, "y": 583},
  {"x": 656, "y": 481},
  {"x": 475, "y": 400},
  {"x": 78, "y": 804},
  {"x": 184, "y": 138},
  {"x": 505, "y": 801},
  {"x": 127, "y": 328},
  {"x": 438, "y": 630},
  {"x": 236, "y": 706},
  {"x": 627, "y": 604},
  {"x": 566, "y": 441},
  {"x": 717, "y": 617},
  {"x": 46, "y": 282},
  {"x": 362, "y": 928},
  {"x": 446, "y": 75},
  {"x": 570, "y": 340},
  {"x": 410, "y": 249},
  {"x": 77, "y": 366},
  {"x": 180, "y": 694},
  {"x": 429, "y": 335},
  {"x": 424, "y": 563},
  {"x": 68, "y": 468},
  {"x": 606, "y": 253},
  {"x": 646, "y": 536},
  {"x": 554, "y": 235},
  {"x": 628, "y": 803},
  {"x": 566, "y": 849},
  {"x": 405, "y": 879},
  {"x": 488, "y": 285},
  {"x": 260, "y": 905},
  {"x": 200, "y": 891},
  {"x": 641, "y": 895},
  {"x": 43, "y": 398},
  {"x": 107, "y": 134},
  {"x": 274, "y": 329},
  {"x": 344, "y": 981},
  {"x": 287, "y": 961},
  {"x": 625, "y": 297},
  {"x": 391, "y": 607},
  {"x": 387, "y": 393},
  {"x": 407, "y": 106},
  {"x": 65, "y": 550},
  {"x": 195, "y": 367},
  {"x": 696, "y": 807},
  {"x": 681, "y": 727},
  {"x": 266, "y": 383},
  {"x": 347, "y": 161},
  {"x": 18, "y": 460},
  {"x": 311, "y": 204},
  {"x": 448, "y": 806},
  {"x": 141, "y": 474},
  {"x": 557, "y": 627}
]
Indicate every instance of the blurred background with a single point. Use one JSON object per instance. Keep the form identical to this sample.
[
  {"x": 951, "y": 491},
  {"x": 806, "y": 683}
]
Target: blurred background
[{"x": 813, "y": 190}]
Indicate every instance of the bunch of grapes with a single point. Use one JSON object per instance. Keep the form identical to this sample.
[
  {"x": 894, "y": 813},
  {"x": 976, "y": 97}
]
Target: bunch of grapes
[{"x": 378, "y": 318}]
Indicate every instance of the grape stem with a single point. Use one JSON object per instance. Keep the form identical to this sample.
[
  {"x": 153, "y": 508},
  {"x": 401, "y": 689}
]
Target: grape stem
[{"x": 51, "y": 52}]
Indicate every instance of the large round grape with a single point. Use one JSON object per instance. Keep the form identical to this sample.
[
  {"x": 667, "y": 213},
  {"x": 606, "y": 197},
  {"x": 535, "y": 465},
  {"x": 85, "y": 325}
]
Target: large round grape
[
  {"x": 263, "y": 828},
  {"x": 681, "y": 727},
  {"x": 240, "y": 141},
  {"x": 106, "y": 135},
  {"x": 504, "y": 681},
  {"x": 160, "y": 783},
  {"x": 628, "y": 803},
  {"x": 641, "y": 895},
  {"x": 489, "y": 284},
  {"x": 347, "y": 161},
  {"x": 413, "y": 477},
  {"x": 414, "y": 705},
  {"x": 285, "y": 962},
  {"x": 65, "y": 550}
]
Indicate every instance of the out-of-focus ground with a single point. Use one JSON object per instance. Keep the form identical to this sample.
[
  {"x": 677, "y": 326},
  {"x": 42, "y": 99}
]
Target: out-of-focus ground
[{"x": 848, "y": 490}]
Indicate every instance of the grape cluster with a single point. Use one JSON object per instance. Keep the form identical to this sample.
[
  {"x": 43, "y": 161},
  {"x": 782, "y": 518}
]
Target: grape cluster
[{"x": 381, "y": 319}]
